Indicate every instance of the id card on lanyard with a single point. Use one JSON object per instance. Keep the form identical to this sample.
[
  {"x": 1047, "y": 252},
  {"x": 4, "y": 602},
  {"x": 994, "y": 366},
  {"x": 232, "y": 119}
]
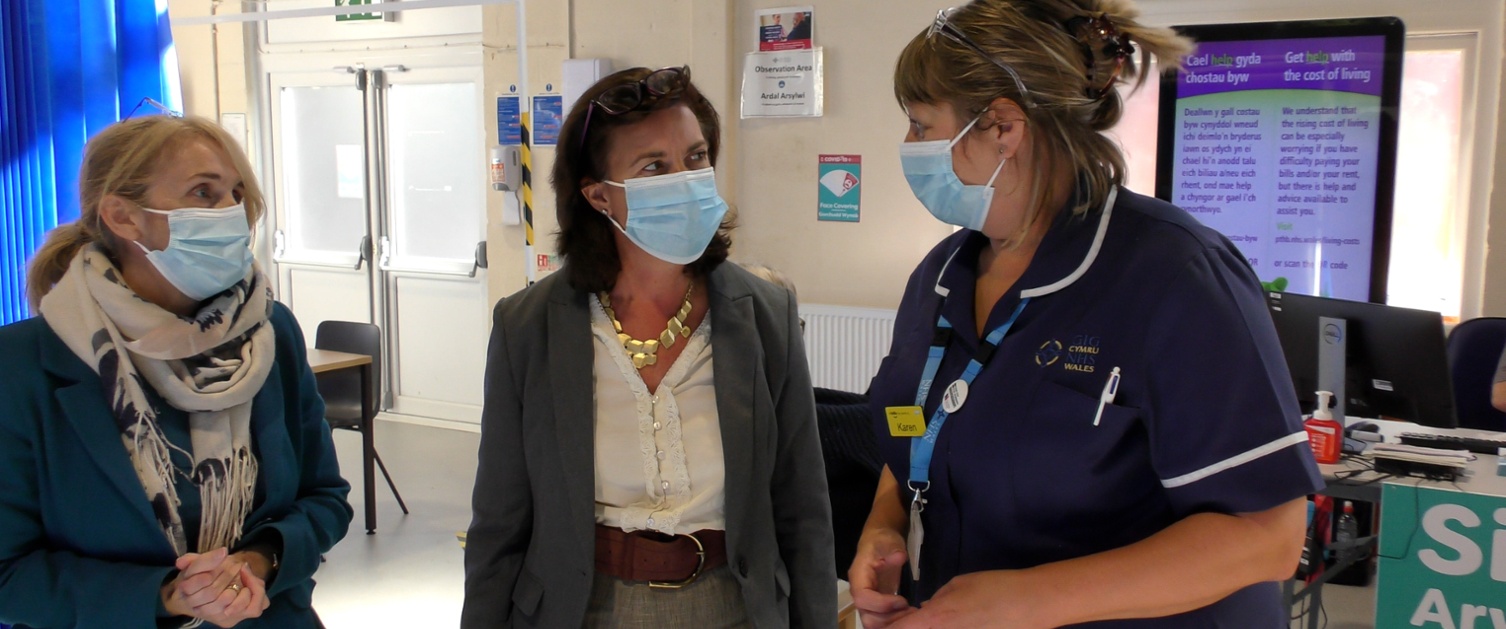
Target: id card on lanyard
[{"x": 923, "y": 446}]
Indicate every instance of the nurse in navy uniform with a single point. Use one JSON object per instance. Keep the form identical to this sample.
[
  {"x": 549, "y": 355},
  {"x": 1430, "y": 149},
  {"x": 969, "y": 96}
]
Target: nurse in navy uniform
[{"x": 1085, "y": 415}]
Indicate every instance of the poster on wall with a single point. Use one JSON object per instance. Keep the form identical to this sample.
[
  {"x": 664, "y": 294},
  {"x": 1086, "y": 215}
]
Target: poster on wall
[
  {"x": 547, "y": 116},
  {"x": 784, "y": 28},
  {"x": 509, "y": 120},
  {"x": 839, "y": 189},
  {"x": 782, "y": 84}
]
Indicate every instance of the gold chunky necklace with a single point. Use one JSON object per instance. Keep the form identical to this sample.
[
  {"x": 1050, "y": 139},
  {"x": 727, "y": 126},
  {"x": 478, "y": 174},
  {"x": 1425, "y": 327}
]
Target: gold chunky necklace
[{"x": 644, "y": 353}]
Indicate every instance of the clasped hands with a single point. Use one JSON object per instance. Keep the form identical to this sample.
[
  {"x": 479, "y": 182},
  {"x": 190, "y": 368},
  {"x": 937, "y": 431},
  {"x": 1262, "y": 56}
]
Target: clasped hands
[{"x": 219, "y": 587}]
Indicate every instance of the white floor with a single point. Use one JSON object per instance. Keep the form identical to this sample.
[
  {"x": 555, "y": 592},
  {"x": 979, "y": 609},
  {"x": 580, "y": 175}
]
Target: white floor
[{"x": 410, "y": 573}]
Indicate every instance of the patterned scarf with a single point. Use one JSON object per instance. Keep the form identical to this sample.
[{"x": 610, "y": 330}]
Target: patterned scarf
[{"x": 210, "y": 366}]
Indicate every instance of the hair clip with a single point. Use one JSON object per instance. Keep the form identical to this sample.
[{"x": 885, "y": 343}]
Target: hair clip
[{"x": 1100, "y": 39}]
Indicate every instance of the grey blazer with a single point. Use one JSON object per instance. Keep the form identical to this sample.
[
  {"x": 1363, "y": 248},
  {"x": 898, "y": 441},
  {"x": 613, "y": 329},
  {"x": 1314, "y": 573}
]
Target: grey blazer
[{"x": 530, "y": 550}]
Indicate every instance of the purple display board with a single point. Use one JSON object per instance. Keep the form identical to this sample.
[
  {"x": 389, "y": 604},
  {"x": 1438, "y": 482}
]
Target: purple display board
[{"x": 1282, "y": 137}]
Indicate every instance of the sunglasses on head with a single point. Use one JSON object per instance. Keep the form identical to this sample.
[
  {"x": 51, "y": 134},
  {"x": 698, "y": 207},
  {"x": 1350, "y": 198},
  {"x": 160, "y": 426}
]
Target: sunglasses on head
[
  {"x": 941, "y": 27},
  {"x": 155, "y": 106},
  {"x": 615, "y": 101}
]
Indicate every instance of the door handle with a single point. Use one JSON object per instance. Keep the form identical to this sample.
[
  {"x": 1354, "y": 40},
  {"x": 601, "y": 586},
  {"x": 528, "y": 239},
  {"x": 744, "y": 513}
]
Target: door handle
[
  {"x": 364, "y": 252},
  {"x": 480, "y": 262}
]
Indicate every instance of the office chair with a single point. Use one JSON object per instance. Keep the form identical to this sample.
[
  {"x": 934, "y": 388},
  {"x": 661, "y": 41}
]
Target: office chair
[
  {"x": 342, "y": 390},
  {"x": 1474, "y": 350},
  {"x": 853, "y": 466}
]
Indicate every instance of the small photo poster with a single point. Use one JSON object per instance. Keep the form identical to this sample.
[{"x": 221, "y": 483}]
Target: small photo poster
[
  {"x": 785, "y": 28},
  {"x": 840, "y": 192}
]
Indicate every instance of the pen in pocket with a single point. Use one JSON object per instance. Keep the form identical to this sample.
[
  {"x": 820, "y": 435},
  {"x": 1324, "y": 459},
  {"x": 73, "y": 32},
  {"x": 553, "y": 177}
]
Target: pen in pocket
[{"x": 1110, "y": 389}]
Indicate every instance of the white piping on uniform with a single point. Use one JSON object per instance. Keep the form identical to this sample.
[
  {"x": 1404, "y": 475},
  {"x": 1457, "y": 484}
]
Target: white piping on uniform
[
  {"x": 942, "y": 290},
  {"x": 1235, "y": 461},
  {"x": 1087, "y": 261}
]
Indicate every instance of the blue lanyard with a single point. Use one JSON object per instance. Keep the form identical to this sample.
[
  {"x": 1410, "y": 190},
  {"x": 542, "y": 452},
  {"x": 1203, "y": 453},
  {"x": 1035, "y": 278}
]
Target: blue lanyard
[{"x": 923, "y": 446}]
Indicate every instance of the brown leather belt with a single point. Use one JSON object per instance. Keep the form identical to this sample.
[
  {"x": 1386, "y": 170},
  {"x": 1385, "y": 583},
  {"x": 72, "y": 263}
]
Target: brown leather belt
[{"x": 662, "y": 560}]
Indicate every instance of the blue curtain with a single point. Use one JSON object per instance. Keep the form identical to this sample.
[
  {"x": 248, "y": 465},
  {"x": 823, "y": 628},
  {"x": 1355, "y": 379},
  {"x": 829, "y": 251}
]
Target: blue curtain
[{"x": 67, "y": 70}]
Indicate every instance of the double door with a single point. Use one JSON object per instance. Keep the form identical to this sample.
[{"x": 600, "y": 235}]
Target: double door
[{"x": 380, "y": 184}]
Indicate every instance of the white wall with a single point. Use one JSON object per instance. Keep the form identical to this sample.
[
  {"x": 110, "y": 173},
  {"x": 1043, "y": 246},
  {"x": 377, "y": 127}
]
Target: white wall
[
  {"x": 857, "y": 264},
  {"x": 768, "y": 167},
  {"x": 866, "y": 264}
]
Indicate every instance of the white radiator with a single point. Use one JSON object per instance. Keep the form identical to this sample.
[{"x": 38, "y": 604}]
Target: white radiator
[{"x": 845, "y": 345}]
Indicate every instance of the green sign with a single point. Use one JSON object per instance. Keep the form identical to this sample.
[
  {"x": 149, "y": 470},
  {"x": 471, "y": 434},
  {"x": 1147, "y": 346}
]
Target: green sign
[
  {"x": 839, "y": 189},
  {"x": 351, "y": 17},
  {"x": 1442, "y": 559}
]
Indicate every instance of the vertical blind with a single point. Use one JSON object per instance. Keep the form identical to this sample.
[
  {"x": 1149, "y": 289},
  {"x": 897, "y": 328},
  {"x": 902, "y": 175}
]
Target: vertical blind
[{"x": 67, "y": 70}]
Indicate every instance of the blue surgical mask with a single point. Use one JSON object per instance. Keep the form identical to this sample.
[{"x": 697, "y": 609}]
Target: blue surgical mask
[
  {"x": 208, "y": 250},
  {"x": 928, "y": 168},
  {"x": 673, "y": 217}
]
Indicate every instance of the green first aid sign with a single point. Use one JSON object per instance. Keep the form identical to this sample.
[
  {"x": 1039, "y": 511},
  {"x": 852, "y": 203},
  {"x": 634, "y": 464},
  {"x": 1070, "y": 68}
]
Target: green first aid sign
[
  {"x": 840, "y": 187},
  {"x": 1442, "y": 559}
]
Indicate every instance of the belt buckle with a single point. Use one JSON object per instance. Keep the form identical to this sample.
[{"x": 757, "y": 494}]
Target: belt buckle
[{"x": 700, "y": 562}]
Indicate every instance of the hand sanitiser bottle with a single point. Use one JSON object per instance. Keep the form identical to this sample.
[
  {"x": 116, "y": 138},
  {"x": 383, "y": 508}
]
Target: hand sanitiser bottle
[{"x": 1325, "y": 435}]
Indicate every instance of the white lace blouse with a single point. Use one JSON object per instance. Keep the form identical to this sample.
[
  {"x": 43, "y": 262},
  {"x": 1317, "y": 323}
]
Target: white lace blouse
[{"x": 659, "y": 459}]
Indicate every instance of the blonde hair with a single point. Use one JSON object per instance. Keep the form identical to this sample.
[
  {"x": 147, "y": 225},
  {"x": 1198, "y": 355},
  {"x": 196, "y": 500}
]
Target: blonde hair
[
  {"x": 1067, "y": 56},
  {"x": 771, "y": 275},
  {"x": 121, "y": 160}
]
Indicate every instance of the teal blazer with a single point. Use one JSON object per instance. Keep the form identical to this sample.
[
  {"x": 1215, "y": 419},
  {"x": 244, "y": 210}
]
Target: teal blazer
[{"x": 79, "y": 545}]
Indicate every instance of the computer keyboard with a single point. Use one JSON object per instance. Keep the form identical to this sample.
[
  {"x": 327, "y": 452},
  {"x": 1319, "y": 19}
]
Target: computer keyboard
[{"x": 1480, "y": 445}]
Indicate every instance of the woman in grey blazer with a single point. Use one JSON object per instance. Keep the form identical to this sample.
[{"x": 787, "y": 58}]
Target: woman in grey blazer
[{"x": 672, "y": 481}]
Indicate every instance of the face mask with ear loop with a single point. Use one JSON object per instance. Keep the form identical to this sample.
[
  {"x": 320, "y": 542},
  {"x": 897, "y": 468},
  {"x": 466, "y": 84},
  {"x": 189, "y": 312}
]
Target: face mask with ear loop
[
  {"x": 672, "y": 217},
  {"x": 208, "y": 250},
  {"x": 928, "y": 169}
]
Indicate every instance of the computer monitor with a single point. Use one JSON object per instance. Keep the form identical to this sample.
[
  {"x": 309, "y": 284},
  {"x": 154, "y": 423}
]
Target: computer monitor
[{"x": 1396, "y": 366}]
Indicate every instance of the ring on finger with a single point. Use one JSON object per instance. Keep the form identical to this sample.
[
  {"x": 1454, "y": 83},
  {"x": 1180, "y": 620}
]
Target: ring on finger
[{"x": 234, "y": 587}]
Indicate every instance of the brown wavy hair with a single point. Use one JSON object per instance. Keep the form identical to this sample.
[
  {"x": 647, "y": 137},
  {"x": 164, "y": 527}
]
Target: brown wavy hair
[
  {"x": 1065, "y": 63},
  {"x": 121, "y": 160},
  {"x": 585, "y": 239}
]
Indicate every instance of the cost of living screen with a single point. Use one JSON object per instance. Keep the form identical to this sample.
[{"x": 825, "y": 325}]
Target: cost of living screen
[{"x": 1276, "y": 146}]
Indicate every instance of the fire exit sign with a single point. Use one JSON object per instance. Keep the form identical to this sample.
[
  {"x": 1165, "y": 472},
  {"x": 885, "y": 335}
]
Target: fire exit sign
[{"x": 352, "y": 17}]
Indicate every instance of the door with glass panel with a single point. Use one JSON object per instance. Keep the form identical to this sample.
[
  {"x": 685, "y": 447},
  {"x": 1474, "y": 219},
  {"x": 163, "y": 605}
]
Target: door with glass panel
[{"x": 381, "y": 214}]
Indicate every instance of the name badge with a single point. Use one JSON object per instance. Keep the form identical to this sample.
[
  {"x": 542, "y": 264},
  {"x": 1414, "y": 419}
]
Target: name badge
[{"x": 906, "y": 421}]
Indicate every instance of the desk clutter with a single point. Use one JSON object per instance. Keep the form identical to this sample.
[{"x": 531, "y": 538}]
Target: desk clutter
[
  {"x": 1339, "y": 544},
  {"x": 1411, "y": 460},
  {"x": 1397, "y": 450},
  {"x": 1478, "y": 445}
]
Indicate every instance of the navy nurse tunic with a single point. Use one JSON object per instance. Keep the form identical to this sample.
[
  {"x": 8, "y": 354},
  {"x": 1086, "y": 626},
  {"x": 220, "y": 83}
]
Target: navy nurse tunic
[{"x": 1204, "y": 420}]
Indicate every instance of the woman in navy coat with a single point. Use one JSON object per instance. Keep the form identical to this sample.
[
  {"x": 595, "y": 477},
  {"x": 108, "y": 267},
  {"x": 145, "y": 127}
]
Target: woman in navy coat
[{"x": 164, "y": 460}]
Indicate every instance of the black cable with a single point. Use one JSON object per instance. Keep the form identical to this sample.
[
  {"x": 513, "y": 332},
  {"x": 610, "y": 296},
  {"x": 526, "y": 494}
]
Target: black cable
[{"x": 1412, "y": 535}]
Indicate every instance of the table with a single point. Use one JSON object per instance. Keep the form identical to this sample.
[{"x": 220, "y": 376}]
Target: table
[
  {"x": 1350, "y": 479},
  {"x": 325, "y": 361}
]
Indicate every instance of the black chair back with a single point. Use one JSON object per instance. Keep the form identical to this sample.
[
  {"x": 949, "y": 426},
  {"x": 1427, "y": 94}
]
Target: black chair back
[
  {"x": 342, "y": 389},
  {"x": 853, "y": 467},
  {"x": 1474, "y": 350}
]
